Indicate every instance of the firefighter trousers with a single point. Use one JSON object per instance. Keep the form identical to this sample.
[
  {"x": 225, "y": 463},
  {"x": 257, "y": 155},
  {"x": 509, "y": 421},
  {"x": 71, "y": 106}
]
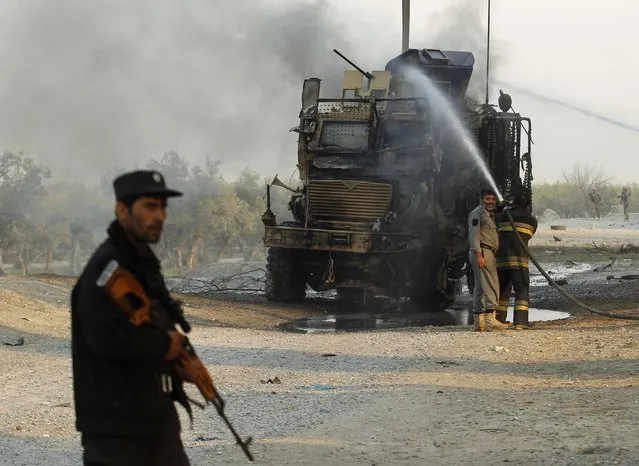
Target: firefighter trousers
[{"x": 517, "y": 279}]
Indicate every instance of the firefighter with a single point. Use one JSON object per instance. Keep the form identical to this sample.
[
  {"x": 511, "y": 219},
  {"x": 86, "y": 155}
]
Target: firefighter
[
  {"x": 483, "y": 242},
  {"x": 512, "y": 260},
  {"x": 124, "y": 381}
]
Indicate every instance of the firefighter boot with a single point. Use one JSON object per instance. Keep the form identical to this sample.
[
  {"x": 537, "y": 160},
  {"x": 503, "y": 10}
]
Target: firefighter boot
[
  {"x": 493, "y": 324},
  {"x": 520, "y": 320},
  {"x": 501, "y": 316},
  {"x": 479, "y": 322}
]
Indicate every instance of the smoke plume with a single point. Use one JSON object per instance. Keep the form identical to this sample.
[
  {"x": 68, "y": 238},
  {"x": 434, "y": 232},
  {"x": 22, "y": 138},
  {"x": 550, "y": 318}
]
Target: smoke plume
[
  {"x": 87, "y": 86},
  {"x": 463, "y": 26},
  {"x": 584, "y": 111}
]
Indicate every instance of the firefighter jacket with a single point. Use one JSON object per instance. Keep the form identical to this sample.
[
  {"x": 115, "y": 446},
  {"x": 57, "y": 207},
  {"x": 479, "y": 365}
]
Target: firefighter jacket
[{"x": 510, "y": 253}]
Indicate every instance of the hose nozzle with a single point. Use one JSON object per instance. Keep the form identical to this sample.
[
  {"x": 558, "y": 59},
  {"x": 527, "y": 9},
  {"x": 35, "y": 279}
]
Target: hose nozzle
[{"x": 504, "y": 204}]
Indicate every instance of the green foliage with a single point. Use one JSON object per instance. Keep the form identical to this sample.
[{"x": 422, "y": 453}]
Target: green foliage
[
  {"x": 570, "y": 197},
  {"x": 65, "y": 221},
  {"x": 216, "y": 218}
]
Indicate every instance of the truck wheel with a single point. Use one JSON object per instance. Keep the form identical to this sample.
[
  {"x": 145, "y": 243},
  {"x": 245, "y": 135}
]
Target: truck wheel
[
  {"x": 470, "y": 279},
  {"x": 350, "y": 296},
  {"x": 285, "y": 277},
  {"x": 434, "y": 292}
]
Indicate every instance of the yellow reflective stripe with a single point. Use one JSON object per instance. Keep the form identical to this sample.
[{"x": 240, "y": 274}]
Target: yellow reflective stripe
[
  {"x": 512, "y": 264},
  {"x": 517, "y": 224},
  {"x": 524, "y": 230},
  {"x": 513, "y": 258},
  {"x": 502, "y": 306},
  {"x": 521, "y": 305}
]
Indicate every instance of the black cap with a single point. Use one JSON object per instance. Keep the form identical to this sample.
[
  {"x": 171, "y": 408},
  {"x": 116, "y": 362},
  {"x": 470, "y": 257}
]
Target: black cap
[{"x": 142, "y": 183}]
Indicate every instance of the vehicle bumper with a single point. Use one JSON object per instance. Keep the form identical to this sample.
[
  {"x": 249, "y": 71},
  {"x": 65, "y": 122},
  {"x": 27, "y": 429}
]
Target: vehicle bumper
[{"x": 338, "y": 240}]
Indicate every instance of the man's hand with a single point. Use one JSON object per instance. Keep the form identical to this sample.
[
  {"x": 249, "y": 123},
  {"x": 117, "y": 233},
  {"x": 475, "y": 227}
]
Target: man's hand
[
  {"x": 175, "y": 346},
  {"x": 184, "y": 375},
  {"x": 481, "y": 261}
]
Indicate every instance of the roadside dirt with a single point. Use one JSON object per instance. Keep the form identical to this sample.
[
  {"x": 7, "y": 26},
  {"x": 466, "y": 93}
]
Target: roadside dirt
[{"x": 564, "y": 393}]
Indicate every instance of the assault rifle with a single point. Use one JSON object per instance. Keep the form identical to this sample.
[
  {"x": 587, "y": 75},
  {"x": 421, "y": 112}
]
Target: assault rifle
[{"x": 127, "y": 292}]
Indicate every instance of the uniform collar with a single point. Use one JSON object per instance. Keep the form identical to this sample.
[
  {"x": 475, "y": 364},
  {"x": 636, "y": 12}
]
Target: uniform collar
[
  {"x": 487, "y": 212},
  {"x": 137, "y": 257}
]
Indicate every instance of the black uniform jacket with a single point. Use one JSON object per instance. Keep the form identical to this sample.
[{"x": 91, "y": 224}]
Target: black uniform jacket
[
  {"x": 510, "y": 253},
  {"x": 118, "y": 368}
]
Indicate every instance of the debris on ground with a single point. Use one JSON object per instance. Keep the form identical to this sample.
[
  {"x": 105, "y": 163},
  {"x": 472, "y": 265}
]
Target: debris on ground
[
  {"x": 19, "y": 342},
  {"x": 275, "y": 380}
]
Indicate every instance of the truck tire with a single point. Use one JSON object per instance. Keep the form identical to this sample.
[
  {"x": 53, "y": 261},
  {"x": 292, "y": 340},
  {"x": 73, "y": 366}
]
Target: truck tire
[
  {"x": 434, "y": 292},
  {"x": 470, "y": 278},
  {"x": 350, "y": 296},
  {"x": 285, "y": 277}
]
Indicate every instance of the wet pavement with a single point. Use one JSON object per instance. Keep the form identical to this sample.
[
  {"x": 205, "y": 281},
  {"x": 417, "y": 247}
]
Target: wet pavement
[{"x": 381, "y": 319}]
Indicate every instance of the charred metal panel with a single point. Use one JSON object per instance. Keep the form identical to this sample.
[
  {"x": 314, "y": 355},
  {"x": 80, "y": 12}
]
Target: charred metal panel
[
  {"x": 345, "y": 135},
  {"x": 337, "y": 110}
]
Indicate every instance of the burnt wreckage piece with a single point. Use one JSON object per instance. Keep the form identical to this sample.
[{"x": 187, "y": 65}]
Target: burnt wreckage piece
[{"x": 386, "y": 184}]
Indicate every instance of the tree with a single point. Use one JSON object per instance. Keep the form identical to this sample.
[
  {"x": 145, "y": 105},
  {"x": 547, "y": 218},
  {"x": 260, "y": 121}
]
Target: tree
[
  {"x": 231, "y": 217},
  {"x": 583, "y": 179},
  {"x": 22, "y": 186},
  {"x": 251, "y": 189},
  {"x": 188, "y": 225}
]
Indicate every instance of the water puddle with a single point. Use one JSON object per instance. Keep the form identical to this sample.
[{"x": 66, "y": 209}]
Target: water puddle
[{"x": 394, "y": 320}]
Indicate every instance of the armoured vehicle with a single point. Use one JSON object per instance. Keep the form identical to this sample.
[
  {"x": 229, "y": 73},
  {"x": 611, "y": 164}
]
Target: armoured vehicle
[{"x": 387, "y": 183}]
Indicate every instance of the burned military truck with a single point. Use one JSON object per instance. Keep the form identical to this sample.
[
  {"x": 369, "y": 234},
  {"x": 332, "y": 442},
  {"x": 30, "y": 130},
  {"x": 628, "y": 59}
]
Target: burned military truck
[{"x": 387, "y": 184}]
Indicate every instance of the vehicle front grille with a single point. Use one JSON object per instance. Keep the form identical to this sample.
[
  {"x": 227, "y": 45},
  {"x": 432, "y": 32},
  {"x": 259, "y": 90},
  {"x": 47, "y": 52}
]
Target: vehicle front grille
[{"x": 348, "y": 200}]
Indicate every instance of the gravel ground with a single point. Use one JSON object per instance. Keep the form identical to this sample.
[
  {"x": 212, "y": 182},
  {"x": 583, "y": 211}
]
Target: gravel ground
[{"x": 564, "y": 393}]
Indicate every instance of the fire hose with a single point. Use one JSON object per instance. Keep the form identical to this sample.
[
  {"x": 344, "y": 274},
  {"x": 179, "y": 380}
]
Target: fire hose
[{"x": 559, "y": 288}]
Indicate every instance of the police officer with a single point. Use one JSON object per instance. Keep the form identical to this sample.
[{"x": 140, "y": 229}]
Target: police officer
[
  {"x": 483, "y": 243},
  {"x": 512, "y": 260},
  {"x": 124, "y": 382}
]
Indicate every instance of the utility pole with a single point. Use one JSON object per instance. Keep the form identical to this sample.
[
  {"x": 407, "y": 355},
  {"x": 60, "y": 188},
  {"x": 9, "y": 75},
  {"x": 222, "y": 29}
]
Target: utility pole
[
  {"x": 488, "y": 53},
  {"x": 405, "y": 24}
]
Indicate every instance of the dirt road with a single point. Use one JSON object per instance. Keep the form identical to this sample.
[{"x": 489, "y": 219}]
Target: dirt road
[{"x": 565, "y": 393}]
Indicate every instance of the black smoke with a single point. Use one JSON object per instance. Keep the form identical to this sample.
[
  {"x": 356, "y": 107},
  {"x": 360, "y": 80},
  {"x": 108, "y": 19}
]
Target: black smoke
[
  {"x": 464, "y": 26},
  {"x": 88, "y": 85}
]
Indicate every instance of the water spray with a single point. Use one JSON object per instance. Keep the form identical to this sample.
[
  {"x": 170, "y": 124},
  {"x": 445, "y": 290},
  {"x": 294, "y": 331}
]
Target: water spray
[
  {"x": 583, "y": 111},
  {"x": 440, "y": 102}
]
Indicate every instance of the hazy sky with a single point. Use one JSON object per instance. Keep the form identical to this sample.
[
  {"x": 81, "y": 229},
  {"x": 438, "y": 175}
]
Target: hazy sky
[{"x": 86, "y": 85}]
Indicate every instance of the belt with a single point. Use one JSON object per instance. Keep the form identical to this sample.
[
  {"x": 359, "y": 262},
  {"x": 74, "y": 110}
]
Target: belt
[{"x": 490, "y": 248}]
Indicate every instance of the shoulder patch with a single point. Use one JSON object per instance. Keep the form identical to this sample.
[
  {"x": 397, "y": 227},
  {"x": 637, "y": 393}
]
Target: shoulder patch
[
  {"x": 475, "y": 222},
  {"x": 106, "y": 274}
]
